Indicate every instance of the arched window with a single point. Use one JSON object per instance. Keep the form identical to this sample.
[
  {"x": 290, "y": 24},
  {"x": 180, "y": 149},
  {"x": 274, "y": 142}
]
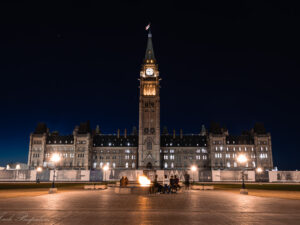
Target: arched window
[{"x": 149, "y": 145}]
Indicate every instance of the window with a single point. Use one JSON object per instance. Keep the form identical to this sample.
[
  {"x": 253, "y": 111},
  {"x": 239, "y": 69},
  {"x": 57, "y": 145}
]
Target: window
[
  {"x": 94, "y": 165},
  {"x": 127, "y": 151},
  {"x": 172, "y": 157},
  {"x": 253, "y": 164},
  {"x": 228, "y": 164},
  {"x": 218, "y": 155},
  {"x": 172, "y": 151},
  {"x": 235, "y": 164},
  {"x": 149, "y": 145},
  {"x": 166, "y": 165},
  {"x": 126, "y": 164},
  {"x": 114, "y": 165},
  {"x": 172, "y": 165},
  {"x": 133, "y": 165},
  {"x": 132, "y": 156},
  {"x": 204, "y": 157},
  {"x": 204, "y": 150},
  {"x": 101, "y": 164},
  {"x": 221, "y": 148},
  {"x": 165, "y": 156},
  {"x": 198, "y": 157},
  {"x": 227, "y": 156},
  {"x": 126, "y": 156}
]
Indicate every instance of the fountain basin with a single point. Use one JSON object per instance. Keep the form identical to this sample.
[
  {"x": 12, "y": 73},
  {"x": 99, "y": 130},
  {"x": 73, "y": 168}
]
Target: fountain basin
[{"x": 133, "y": 189}]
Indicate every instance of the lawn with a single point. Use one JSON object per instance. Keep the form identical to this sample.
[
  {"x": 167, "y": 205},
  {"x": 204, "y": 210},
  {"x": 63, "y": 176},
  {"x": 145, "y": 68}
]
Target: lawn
[{"x": 257, "y": 186}]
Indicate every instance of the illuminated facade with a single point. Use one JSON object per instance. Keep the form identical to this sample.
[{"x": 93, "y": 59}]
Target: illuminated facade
[{"x": 147, "y": 147}]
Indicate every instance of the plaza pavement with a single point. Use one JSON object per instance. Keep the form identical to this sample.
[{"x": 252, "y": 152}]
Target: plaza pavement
[{"x": 106, "y": 207}]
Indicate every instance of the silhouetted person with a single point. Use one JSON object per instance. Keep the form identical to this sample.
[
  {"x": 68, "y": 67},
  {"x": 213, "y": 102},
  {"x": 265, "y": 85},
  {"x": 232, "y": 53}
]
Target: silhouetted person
[
  {"x": 126, "y": 181},
  {"x": 187, "y": 180}
]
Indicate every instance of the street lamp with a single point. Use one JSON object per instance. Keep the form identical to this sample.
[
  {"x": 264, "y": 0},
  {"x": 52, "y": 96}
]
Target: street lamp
[
  {"x": 38, "y": 170},
  {"x": 105, "y": 168},
  {"x": 242, "y": 159},
  {"x": 193, "y": 168},
  {"x": 55, "y": 158}
]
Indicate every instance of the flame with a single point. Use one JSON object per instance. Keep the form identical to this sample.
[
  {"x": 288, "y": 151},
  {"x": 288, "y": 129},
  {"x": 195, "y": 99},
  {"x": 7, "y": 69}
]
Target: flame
[{"x": 144, "y": 181}]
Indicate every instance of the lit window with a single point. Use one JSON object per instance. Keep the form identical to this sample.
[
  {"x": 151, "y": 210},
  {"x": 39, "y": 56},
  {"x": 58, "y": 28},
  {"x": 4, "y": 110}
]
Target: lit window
[
  {"x": 114, "y": 165},
  {"x": 101, "y": 164},
  {"x": 172, "y": 165},
  {"x": 126, "y": 164},
  {"x": 133, "y": 165},
  {"x": 171, "y": 151},
  {"x": 253, "y": 164},
  {"x": 166, "y": 165},
  {"x": 228, "y": 164},
  {"x": 234, "y": 164},
  {"x": 127, "y": 151},
  {"x": 204, "y": 157}
]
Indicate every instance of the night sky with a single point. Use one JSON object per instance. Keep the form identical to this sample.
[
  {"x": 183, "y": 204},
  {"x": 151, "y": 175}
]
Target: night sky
[{"x": 234, "y": 62}]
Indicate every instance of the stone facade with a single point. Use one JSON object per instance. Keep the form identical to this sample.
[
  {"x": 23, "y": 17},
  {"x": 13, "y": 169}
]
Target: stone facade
[{"x": 149, "y": 148}]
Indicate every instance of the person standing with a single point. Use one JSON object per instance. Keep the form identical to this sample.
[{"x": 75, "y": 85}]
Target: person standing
[
  {"x": 187, "y": 181},
  {"x": 166, "y": 184}
]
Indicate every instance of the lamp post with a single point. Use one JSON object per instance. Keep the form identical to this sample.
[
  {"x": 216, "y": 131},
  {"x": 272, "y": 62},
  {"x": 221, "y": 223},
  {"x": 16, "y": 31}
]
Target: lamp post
[
  {"x": 38, "y": 171},
  {"x": 105, "y": 168},
  {"x": 55, "y": 158},
  {"x": 242, "y": 159},
  {"x": 193, "y": 168}
]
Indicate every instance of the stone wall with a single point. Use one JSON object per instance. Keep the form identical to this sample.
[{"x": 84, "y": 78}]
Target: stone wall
[
  {"x": 284, "y": 176},
  {"x": 224, "y": 175},
  {"x": 132, "y": 175}
]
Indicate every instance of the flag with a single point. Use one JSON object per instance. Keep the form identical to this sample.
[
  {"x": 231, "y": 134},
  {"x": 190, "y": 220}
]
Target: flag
[{"x": 147, "y": 27}]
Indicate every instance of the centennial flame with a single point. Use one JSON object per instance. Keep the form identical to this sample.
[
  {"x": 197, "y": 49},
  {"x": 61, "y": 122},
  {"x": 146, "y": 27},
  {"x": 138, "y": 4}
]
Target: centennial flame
[{"x": 144, "y": 181}]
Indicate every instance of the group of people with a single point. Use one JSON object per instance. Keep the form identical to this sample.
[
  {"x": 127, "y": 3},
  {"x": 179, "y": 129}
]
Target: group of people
[
  {"x": 170, "y": 185},
  {"x": 123, "y": 181}
]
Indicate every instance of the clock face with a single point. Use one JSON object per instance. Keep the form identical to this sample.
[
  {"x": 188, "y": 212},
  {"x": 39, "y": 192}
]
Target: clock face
[{"x": 149, "y": 71}]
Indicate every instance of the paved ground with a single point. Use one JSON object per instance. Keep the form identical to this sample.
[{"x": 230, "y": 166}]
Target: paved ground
[{"x": 105, "y": 207}]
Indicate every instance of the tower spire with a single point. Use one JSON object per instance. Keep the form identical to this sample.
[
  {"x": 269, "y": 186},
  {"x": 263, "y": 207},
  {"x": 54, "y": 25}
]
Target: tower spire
[{"x": 149, "y": 55}]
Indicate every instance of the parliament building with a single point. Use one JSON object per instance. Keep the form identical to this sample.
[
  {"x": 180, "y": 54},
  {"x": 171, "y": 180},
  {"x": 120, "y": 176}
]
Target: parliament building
[{"x": 149, "y": 146}]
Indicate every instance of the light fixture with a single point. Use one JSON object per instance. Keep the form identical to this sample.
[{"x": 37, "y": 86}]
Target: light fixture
[{"x": 242, "y": 158}]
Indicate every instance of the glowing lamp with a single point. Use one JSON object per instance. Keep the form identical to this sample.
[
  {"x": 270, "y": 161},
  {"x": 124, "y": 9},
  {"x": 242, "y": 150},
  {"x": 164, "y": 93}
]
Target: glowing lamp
[
  {"x": 55, "y": 158},
  {"x": 105, "y": 168},
  {"x": 193, "y": 168},
  {"x": 242, "y": 158}
]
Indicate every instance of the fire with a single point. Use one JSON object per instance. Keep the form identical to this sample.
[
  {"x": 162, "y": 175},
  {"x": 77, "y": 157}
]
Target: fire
[{"x": 144, "y": 181}]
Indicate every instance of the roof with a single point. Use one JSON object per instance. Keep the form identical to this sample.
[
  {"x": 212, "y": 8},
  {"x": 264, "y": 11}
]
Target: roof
[
  {"x": 185, "y": 141},
  {"x": 149, "y": 55},
  {"x": 239, "y": 139},
  {"x": 41, "y": 128},
  {"x": 59, "y": 139},
  {"x": 115, "y": 141}
]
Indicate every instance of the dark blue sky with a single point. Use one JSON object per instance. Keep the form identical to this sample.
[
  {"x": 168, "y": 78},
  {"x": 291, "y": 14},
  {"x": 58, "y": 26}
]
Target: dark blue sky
[{"x": 235, "y": 63}]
